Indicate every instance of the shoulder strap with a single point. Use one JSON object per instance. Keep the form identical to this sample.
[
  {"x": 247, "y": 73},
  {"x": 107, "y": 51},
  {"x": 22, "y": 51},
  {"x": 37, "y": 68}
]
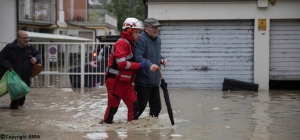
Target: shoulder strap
[
  {"x": 19, "y": 58},
  {"x": 29, "y": 51}
]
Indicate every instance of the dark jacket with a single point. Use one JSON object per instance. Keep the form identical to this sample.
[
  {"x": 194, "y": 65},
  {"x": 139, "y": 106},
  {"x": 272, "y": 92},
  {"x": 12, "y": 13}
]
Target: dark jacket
[
  {"x": 10, "y": 58},
  {"x": 148, "y": 49}
]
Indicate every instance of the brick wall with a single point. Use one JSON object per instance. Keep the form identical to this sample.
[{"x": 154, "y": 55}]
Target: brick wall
[{"x": 79, "y": 9}]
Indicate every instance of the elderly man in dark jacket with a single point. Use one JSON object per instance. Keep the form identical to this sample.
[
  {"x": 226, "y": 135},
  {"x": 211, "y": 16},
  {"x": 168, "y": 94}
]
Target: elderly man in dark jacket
[
  {"x": 16, "y": 56},
  {"x": 148, "y": 49}
]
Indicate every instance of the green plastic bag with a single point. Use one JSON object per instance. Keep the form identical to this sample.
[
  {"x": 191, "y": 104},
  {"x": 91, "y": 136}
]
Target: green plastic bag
[
  {"x": 17, "y": 88},
  {"x": 3, "y": 85}
]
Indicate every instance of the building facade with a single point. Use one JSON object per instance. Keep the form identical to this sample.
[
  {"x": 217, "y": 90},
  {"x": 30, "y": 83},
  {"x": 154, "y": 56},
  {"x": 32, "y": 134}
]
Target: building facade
[
  {"x": 77, "y": 18},
  {"x": 85, "y": 18},
  {"x": 37, "y": 15},
  {"x": 206, "y": 41}
]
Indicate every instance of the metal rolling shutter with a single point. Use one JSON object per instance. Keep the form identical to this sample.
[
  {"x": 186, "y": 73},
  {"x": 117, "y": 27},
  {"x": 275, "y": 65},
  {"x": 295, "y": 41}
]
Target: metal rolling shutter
[
  {"x": 201, "y": 53},
  {"x": 285, "y": 50},
  {"x": 88, "y": 35}
]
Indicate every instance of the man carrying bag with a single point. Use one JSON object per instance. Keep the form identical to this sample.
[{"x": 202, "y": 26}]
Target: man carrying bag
[{"x": 16, "y": 56}]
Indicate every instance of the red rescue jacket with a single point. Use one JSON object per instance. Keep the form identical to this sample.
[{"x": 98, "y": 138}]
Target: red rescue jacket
[{"x": 121, "y": 64}]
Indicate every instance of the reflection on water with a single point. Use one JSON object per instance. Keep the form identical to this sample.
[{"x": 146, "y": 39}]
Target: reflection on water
[
  {"x": 284, "y": 109},
  {"x": 54, "y": 113},
  {"x": 261, "y": 117}
]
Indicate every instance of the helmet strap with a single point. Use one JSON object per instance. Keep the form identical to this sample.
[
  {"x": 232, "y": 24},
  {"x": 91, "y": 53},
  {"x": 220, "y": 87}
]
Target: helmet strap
[
  {"x": 129, "y": 30},
  {"x": 132, "y": 31}
]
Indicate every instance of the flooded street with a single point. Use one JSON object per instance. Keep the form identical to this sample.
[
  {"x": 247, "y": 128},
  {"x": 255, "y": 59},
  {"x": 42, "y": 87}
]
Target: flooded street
[{"x": 65, "y": 114}]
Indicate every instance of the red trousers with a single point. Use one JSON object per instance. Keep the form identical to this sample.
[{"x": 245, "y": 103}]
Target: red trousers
[{"x": 118, "y": 90}]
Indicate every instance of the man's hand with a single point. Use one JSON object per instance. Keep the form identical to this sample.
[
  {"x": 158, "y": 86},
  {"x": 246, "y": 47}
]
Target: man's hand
[
  {"x": 153, "y": 68},
  {"x": 33, "y": 60},
  {"x": 164, "y": 62}
]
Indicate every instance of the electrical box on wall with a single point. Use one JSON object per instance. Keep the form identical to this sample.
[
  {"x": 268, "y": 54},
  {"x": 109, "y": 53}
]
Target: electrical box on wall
[{"x": 262, "y": 3}]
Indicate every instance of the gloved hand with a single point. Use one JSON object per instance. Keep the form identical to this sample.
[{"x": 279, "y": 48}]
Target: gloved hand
[{"x": 143, "y": 64}]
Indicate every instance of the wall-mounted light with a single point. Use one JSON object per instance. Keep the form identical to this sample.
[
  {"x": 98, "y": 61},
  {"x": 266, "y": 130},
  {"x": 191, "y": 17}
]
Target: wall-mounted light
[{"x": 272, "y": 2}]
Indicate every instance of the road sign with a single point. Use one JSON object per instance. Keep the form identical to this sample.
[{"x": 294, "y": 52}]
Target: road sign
[{"x": 52, "y": 53}]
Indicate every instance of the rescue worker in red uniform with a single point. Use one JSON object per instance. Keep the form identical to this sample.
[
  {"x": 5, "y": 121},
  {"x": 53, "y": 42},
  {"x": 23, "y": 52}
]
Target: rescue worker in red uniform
[{"x": 120, "y": 72}]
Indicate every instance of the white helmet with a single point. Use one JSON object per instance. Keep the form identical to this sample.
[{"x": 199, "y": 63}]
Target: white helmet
[{"x": 133, "y": 23}]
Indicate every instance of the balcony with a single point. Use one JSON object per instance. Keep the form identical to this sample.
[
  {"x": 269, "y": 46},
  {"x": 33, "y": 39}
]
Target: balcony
[
  {"x": 41, "y": 13},
  {"x": 91, "y": 17}
]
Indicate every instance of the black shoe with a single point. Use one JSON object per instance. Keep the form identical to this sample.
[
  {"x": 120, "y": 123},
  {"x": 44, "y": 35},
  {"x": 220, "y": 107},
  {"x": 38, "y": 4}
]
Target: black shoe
[
  {"x": 21, "y": 101},
  {"x": 13, "y": 107},
  {"x": 14, "y": 104}
]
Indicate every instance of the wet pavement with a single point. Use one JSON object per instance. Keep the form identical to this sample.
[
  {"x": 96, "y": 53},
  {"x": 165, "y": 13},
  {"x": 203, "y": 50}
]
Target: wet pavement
[{"x": 66, "y": 113}]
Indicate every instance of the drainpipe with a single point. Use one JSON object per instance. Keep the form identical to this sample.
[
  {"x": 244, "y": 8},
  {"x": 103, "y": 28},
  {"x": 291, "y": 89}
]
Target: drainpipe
[
  {"x": 72, "y": 10},
  {"x": 146, "y": 8},
  {"x": 17, "y": 7},
  {"x": 56, "y": 13}
]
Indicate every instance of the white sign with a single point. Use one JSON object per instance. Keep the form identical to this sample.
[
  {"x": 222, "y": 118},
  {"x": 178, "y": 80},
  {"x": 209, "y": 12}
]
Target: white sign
[{"x": 52, "y": 53}]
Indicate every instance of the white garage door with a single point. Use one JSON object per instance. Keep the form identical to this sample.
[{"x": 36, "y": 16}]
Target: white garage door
[
  {"x": 285, "y": 50},
  {"x": 201, "y": 53}
]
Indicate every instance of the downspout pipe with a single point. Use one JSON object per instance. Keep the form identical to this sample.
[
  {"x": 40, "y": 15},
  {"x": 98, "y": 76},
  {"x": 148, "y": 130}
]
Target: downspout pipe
[
  {"x": 17, "y": 16},
  {"x": 146, "y": 8},
  {"x": 56, "y": 14}
]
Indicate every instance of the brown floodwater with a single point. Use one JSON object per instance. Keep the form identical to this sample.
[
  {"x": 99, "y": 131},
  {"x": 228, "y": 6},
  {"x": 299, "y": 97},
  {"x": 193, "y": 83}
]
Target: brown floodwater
[{"x": 74, "y": 113}]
